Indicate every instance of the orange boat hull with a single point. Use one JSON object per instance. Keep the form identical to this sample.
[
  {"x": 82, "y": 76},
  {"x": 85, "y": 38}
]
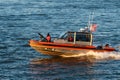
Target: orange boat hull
[{"x": 58, "y": 49}]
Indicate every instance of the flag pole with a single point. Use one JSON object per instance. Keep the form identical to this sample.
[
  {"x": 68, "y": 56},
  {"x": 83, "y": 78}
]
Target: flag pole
[
  {"x": 89, "y": 22},
  {"x": 91, "y": 16}
]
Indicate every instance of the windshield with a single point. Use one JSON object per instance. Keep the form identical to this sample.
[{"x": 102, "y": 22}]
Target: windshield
[{"x": 63, "y": 35}]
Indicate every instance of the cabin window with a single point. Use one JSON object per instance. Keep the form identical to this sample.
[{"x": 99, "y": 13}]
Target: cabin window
[{"x": 83, "y": 37}]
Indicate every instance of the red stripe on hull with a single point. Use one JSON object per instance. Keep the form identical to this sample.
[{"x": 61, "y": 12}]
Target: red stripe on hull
[{"x": 41, "y": 46}]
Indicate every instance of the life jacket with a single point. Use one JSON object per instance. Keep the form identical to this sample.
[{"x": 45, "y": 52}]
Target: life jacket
[
  {"x": 70, "y": 39},
  {"x": 48, "y": 38}
]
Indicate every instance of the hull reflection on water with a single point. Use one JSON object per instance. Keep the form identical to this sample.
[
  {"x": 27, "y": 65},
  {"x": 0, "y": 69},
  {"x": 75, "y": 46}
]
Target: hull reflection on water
[
  {"x": 72, "y": 68},
  {"x": 62, "y": 60},
  {"x": 56, "y": 68}
]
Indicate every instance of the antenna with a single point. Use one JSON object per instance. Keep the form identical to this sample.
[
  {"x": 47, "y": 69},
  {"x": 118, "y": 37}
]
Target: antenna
[
  {"x": 90, "y": 20},
  {"x": 92, "y": 16}
]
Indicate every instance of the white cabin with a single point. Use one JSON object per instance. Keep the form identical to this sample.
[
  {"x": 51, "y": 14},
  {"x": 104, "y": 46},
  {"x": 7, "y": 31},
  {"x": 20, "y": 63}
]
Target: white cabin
[{"x": 82, "y": 38}]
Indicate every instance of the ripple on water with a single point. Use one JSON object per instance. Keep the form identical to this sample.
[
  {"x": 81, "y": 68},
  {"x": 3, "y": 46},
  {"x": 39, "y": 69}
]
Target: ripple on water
[{"x": 21, "y": 20}]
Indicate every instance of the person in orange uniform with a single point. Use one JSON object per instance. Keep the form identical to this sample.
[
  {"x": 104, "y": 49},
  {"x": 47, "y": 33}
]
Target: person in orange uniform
[
  {"x": 48, "y": 37},
  {"x": 70, "y": 39}
]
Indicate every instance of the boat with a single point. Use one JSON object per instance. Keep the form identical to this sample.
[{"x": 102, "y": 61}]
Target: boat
[{"x": 69, "y": 44}]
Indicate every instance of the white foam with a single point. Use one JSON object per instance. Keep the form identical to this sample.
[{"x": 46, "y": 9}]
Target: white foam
[{"x": 97, "y": 55}]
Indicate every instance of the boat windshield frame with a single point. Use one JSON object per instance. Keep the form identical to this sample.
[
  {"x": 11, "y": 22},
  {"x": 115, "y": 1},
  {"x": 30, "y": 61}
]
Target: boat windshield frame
[{"x": 63, "y": 35}]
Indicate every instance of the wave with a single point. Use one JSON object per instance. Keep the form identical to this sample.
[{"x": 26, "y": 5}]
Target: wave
[{"x": 97, "y": 55}]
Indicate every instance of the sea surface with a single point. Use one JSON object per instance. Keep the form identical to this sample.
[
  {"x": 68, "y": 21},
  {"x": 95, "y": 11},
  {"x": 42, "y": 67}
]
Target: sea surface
[{"x": 22, "y": 20}]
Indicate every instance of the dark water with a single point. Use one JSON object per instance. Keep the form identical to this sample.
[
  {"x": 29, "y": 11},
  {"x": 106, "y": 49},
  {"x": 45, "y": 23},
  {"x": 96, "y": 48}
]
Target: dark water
[{"x": 21, "y": 20}]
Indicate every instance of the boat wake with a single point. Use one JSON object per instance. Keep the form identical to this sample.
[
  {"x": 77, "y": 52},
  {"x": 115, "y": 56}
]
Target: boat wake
[{"x": 97, "y": 55}]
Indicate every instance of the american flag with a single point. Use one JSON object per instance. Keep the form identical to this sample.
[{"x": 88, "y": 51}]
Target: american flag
[{"x": 93, "y": 27}]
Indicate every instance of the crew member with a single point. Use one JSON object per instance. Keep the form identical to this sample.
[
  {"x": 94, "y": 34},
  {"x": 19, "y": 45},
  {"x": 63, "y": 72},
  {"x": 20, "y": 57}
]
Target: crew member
[
  {"x": 107, "y": 45},
  {"x": 70, "y": 39},
  {"x": 48, "y": 37}
]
